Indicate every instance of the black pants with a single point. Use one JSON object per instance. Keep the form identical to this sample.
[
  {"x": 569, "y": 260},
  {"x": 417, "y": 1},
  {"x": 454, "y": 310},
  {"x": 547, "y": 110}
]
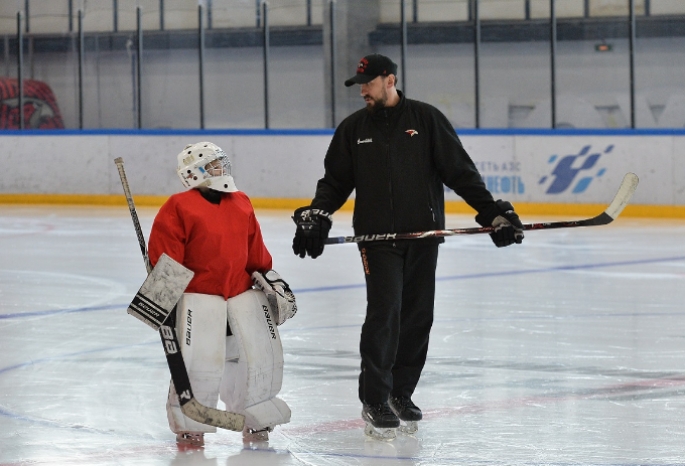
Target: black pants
[{"x": 400, "y": 294}]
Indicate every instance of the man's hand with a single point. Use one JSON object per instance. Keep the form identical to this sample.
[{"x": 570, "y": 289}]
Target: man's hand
[
  {"x": 312, "y": 230},
  {"x": 508, "y": 226}
]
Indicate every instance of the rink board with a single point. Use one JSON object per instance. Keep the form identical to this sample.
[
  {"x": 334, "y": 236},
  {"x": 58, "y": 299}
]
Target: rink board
[{"x": 581, "y": 167}]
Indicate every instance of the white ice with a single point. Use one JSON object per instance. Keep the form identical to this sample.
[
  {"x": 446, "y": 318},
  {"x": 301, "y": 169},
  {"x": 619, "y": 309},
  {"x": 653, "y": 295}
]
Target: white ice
[{"x": 569, "y": 349}]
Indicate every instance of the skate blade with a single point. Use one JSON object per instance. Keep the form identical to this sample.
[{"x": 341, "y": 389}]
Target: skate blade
[
  {"x": 376, "y": 433},
  {"x": 256, "y": 436},
  {"x": 409, "y": 427}
]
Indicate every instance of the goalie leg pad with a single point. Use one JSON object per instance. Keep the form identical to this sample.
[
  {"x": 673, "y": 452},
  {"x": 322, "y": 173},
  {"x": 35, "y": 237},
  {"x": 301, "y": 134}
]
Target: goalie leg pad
[
  {"x": 201, "y": 330},
  {"x": 253, "y": 373}
]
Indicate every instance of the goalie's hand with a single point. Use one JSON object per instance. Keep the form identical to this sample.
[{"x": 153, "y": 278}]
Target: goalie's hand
[
  {"x": 312, "y": 230},
  {"x": 507, "y": 224},
  {"x": 281, "y": 299}
]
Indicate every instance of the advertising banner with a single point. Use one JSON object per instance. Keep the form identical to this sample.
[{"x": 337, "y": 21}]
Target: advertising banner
[{"x": 577, "y": 169}]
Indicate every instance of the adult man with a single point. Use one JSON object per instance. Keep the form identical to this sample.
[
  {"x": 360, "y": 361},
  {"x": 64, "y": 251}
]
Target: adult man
[
  {"x": 212, "y": 230},
  {"x": 397, "y": 154}
]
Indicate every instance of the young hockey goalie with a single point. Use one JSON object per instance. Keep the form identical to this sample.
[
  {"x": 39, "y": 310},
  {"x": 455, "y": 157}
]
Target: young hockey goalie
[{"x": 226, "y": 328}]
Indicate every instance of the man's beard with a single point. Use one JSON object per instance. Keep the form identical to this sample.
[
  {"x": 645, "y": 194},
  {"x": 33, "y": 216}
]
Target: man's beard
[{"x": 377, "y": 105}]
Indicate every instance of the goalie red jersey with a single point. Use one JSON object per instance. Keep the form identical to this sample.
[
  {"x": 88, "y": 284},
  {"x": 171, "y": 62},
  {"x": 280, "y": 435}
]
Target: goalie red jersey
[{"x": 222, "y": 243}]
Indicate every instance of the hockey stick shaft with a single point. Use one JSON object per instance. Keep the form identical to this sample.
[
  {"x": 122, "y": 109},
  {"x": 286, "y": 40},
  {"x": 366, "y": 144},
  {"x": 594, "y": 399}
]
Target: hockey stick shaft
[
  {"x": 621, "y": 199},
  {"x": 189, "y": 404},
  {"x": 179, "y": 374},
  {"x": 134, "y": 215}
]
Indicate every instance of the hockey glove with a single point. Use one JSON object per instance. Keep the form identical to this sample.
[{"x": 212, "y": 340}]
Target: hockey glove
[
  {"x": 508, "y": 226},
  {"x": 281, "y": 298},
  {"x": 312, "y": 230}
]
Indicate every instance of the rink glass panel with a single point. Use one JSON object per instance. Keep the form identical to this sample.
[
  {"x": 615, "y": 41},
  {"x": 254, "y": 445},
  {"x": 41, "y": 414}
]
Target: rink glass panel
[{"x": 592, "y": 87}]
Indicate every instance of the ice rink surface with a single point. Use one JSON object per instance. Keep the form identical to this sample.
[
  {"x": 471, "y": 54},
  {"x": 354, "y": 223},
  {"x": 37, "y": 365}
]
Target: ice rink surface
[{"x": 567, "y": 350}]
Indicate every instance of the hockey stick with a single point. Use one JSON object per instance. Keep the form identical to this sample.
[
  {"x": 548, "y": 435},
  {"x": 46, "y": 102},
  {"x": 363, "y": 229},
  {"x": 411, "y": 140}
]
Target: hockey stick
[
  {"x": 134, "y": 216},
  {"x": 625, "y": 192},
  {"x": 179, "y": 374}
]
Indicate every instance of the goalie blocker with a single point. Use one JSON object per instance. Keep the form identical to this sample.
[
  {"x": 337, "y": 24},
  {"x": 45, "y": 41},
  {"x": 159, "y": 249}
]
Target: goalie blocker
[{"x": 160, "y": 292}]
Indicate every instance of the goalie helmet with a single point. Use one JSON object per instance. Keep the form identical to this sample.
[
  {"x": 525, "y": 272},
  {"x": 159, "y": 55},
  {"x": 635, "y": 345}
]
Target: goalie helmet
[{"x": 205, "y": 164}]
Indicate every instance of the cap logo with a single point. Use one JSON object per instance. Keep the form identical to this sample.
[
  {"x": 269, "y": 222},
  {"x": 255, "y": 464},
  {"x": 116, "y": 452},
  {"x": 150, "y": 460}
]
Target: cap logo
[
  {"x": 411, "y": 132},
  {"x": 362, "y": 65}
]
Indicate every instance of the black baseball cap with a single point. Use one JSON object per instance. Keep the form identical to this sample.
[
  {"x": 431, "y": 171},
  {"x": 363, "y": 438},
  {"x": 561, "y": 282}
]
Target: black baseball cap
[{"x": 371, "y": 66}]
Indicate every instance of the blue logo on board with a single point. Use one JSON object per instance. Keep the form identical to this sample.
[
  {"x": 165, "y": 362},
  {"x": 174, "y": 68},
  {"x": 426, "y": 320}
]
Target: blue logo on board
[{"x": 575, "y": 171}]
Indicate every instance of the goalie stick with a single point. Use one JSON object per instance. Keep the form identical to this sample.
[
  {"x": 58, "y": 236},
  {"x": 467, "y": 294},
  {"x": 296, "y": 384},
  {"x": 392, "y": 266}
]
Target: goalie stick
[
  {"x": 134, "y": 216},
  {"x": 179, "y": 374},
  {"x": 621, "y": 199}
]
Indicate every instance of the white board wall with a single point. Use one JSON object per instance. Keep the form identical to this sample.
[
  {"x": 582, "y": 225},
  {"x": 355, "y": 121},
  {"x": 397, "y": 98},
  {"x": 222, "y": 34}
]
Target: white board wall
[{"x": 538, "y": 167}]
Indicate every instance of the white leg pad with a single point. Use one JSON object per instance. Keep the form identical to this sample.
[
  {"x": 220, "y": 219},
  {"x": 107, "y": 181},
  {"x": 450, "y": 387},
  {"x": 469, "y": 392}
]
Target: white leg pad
[
  {"x": 253, "y": 373},
  {"x": 201, "y": 330}
]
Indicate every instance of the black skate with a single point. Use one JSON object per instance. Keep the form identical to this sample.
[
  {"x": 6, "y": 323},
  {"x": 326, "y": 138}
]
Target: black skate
[
  {"x": 381, "y": 422},
  {"x": 408, "y": 413}
]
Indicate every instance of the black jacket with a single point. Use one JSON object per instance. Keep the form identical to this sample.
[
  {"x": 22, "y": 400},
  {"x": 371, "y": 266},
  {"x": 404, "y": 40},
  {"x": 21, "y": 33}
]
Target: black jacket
[{"x": 398, "y": 160}]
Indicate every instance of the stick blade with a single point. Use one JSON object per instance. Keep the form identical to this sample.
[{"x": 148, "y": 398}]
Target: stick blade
[
  {"x": 621, "y": 200},
  {"x": 213, "y": 417}
]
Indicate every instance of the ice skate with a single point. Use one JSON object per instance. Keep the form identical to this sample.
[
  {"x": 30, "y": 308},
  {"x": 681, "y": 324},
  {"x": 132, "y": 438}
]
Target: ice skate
[
  {"x": 381, "y": 422},
  {"x": 408, "y": 413},
  {"x": 256, "y": 436},
  {"x": 190, "y": 439}
]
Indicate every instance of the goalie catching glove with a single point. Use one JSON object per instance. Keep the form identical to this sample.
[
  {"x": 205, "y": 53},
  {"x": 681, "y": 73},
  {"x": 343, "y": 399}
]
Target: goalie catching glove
[
  {"x": 281, "y": 298},
  {"x": 508, "y": 226},
  {"x": 313, "y": 226}
]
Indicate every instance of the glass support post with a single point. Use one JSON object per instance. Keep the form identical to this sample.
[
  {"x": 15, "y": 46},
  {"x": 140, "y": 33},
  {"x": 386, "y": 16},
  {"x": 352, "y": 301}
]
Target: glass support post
[
  {"x": 81, "y": 43},
  {"x": 403, "y": 45},
  {"x": 553, "y": 56},
  {"x": 20, "y": 68},
  {"x": 476, "y": 61},
  {"x": 201, "y": 70},
  {"x": 265, "y": 21}
]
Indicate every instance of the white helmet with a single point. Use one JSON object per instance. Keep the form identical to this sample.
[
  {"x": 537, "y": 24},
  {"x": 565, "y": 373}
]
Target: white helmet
[{"x": 193, "y": 170}]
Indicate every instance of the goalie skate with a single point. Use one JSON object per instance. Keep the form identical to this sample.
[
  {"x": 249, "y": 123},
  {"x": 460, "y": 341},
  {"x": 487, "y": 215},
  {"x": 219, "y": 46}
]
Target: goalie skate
[
  {"x": 256, "y": 436},
  {"x": 381, "y": 422},
  {"x": 408, "y": 413},
  {"x": 190, "y": 439}
]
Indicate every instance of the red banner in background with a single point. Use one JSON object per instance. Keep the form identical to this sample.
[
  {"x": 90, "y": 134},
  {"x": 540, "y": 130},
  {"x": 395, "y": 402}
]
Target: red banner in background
[{"x": 40, "y": 106}]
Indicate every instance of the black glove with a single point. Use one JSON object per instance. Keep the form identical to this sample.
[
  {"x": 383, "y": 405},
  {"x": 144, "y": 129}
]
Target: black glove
[
  {"x": 508, "y": 226},
  {"x": 312, "y": 230}
]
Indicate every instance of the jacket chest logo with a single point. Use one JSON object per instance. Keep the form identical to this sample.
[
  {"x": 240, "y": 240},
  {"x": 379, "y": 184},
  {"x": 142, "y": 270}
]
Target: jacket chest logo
[
  {"x": 364, "y": 141},
  {"x": 411, "y": 132}
]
